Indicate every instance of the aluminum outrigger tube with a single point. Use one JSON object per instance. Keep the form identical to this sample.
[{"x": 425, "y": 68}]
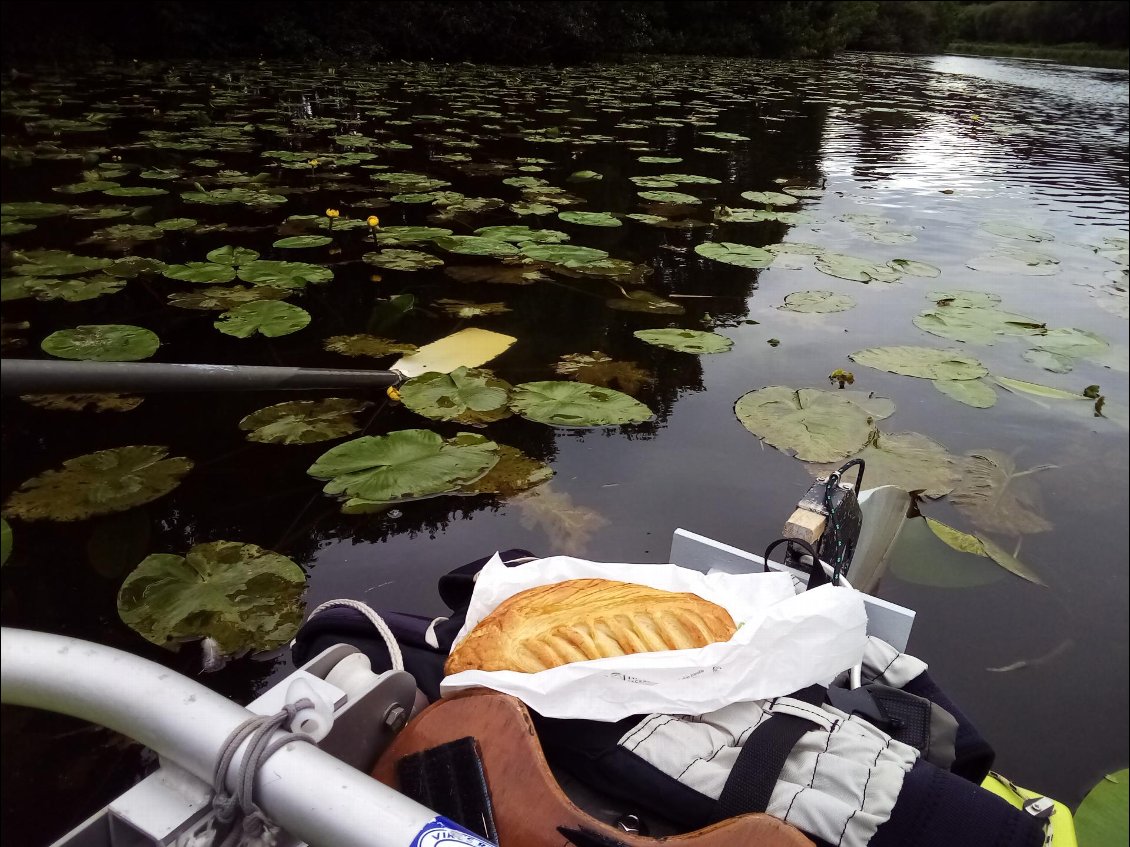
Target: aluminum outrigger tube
[
  {"x": 45, "y": 376},
  {"x": 311, "y": 794}
]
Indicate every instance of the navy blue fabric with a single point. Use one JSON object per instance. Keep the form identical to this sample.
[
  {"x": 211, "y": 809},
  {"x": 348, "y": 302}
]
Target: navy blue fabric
[
  {"x": 936, "y": 808},
  {"x": 974, "y": 757}
]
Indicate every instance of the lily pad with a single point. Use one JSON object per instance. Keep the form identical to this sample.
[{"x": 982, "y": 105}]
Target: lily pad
[
  {"x": 131, "y": 267},
  {"x": 532, "y": 208},
  {"x": 68, "y": 290},
  {"x": 396, "y": 259},
  {"x": 240, "y": 595},
  {"x": 55, "y": 263},
  {"x": 921, "y": 362},
  {"x": 975, "y": 324},
  {"x": 5, "y": 542},
  {"x": 971, "y": 392},
  {"x": 134, "y": 191},
  {"x": 770, "y": 198},
  {"x": 81, "y": 402},
  {"x": 584, "y": 176},
  {"x": 223, "y": 299},
  {"x": 673, "y": 197},
  {"x": 366, "y": 345},
  {"x": 200, "y": 272},
  {"x": 98, "y": 484},
  {"x": 234, "y": 256},
  {"x": 33, "y": 210},
  {"x": 1008, "y": 561},
  {"x": 9, "y": 227},
  {"x": 468, "y": 309},
  {"x": 304, "y": 421},
  {"x": 817, "y": 302},
  {"x": 645, "y": 301},
  {"x": 752, "y": 216},
  {"x": 406, "y": 464},
  {"x": 124, "y": 235},
  {"x": 469, "y": 396},
  {"x": 691, "y": 179},
  {"x": 1007, "y": 229},
  {"x": 1057, "y": 363},
  {"x": 271, "y": 318},
  {"x": 85, "y": 187},
  {"x": 605, "y": 219},
  {"x": 102, "y": 343},
  {"x": 396, "y": 235},
  {"x": 1036, "y": 389},
  {"x": 502, "y": 274},
  {"x": 522, "y": 234},
  {"x": 1076, "y": 343},
  {"x": 908, "y": 460},
  {"x": 283, "y": 274},
  {"x": 576, "y": 404},
  {"x": 474, "y": 245},
  {"x": 742, "y": 255},
  {"x": 1015, "y": 261},
  {"x": 298, "y": 241},
  {"x": 685, "y": 340},
  {"x": 910, "y": 267},
  {"x": 963, "y": 542},
  {"x": 842, "y": 266},
  {"x": 175, "y": 224},
  {"x": 1101, "y": 818},
  {"x": 997, "y": 497},
  {"x": 929, "y": 555},
  {"x": 567, "y": 255},
  {"x": 813, "y": 425}
]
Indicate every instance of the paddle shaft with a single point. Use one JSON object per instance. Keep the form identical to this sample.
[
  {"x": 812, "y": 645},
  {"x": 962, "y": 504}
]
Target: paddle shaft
[{"x": 35, "y": 376}]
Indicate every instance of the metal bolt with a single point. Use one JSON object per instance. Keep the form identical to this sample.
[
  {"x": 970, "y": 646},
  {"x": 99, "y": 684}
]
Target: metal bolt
[{"x": 396, "y": 716}]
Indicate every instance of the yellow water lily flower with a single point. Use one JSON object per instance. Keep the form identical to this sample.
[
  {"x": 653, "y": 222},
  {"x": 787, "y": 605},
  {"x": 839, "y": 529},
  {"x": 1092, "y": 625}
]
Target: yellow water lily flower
[
  {"x": 373, "y": 221},
  {"x": 332, "y": 213},
  {"x": 314, "y": 162},
  {"x": 393, "y": 394}
]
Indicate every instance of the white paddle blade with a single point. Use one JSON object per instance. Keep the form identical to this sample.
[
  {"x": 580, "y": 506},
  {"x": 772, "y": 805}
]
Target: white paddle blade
[{"x": 467, "y": 348}]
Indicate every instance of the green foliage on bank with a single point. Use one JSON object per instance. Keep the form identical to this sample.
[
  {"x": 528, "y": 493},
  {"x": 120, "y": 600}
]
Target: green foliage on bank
[
  {"x": 1084, "y": 55},
  {"x": 523, "y": 32}
]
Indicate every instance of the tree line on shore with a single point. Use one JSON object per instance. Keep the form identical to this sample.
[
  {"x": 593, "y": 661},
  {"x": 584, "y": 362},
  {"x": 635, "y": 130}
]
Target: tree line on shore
[{"x": 538, "y": 31}]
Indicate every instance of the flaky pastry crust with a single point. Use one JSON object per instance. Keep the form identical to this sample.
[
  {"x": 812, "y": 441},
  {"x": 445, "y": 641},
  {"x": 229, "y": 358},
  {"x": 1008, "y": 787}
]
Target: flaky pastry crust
[{"x": 582, "y": 619}]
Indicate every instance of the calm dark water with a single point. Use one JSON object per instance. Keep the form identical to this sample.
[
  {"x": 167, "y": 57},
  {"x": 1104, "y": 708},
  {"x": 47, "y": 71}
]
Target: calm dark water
[{"x": 937, "y": 146}]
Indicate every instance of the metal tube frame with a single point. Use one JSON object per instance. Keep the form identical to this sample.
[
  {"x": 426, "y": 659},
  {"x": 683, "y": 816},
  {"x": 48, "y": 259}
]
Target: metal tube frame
[{"x": 309, "y": 793}]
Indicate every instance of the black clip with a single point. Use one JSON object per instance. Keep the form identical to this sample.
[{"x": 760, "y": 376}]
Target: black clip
[{"x": 858, "y": 701}]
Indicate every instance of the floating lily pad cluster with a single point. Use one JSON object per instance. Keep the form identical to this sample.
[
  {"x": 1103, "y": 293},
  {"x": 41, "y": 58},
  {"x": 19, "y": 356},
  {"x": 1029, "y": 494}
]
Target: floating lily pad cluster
[
  {"x": 476, "y": 396},
  {"x": 373, "y": 473},
  {"x": 240, "y": 596},
  {"x": 400, "y": 215}
]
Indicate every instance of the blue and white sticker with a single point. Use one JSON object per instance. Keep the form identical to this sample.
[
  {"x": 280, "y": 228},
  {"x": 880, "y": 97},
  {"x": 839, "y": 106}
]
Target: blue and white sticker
[{"x": 442, "y": 832}]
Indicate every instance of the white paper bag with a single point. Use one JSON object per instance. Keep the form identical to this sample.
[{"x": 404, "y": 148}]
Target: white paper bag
[{"x": 784, "y": 642}]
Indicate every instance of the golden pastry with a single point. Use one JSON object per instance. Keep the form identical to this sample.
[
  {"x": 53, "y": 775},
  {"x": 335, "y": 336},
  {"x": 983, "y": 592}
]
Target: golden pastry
[{"x": 581, "y": 619}]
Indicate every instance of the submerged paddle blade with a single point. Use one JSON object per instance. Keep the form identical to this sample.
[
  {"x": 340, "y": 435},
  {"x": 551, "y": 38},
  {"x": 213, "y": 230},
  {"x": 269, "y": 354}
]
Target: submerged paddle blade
[{"x": 467, "y": 348}]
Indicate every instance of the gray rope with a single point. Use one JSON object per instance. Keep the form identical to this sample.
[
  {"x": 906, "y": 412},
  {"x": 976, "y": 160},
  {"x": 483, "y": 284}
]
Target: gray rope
[{"x": 244, "y": 821}]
